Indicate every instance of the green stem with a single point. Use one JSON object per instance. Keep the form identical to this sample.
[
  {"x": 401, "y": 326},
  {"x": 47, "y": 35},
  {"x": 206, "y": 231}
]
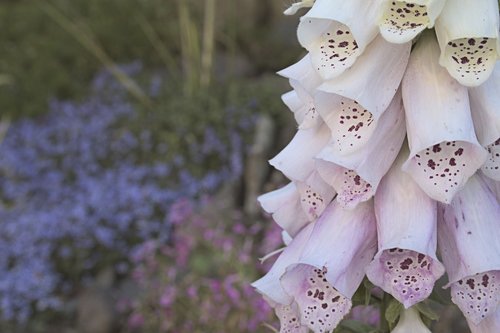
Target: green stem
[{"x": 384, "y": 325}]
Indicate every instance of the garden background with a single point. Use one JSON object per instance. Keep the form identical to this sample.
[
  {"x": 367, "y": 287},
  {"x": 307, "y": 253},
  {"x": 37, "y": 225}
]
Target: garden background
[{"x": 134, "y": 141}]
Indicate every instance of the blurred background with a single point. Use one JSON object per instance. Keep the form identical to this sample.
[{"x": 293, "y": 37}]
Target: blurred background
[
  {"x": 134, "y": 137},
  {"x": 134, "y": 140}
]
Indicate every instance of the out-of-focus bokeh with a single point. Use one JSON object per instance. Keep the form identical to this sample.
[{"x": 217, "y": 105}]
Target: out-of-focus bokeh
[{"x": 134, "y": 141}]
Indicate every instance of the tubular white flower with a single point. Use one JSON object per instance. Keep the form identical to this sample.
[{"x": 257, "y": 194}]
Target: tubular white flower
[
  {"x": 304, "y": 79},
  {"x": 468, "y": 234},
  {"x": 485, "y": 107},
  {"x": 467, "y": 31},
  {"x": 355, "y": 177},
  {"x": 299, "y": 203},
  {"x": 336, "y": 32},
  {"x": 406, "y": 265},
  {"x": 352, "y": 104},
  {"x": 285, "y": 206},
  {"x": 296, "y": 159},
  {"x": 490, "y": 324},
  {"x": 404, "y": 20},
  {"x": 410, "y": 322},
  {"x": 289, "y": 317},
  {"x": 269, "y": 285},
  {"x": 332, "y": 264},
  {"x": 444, "y": 151}
]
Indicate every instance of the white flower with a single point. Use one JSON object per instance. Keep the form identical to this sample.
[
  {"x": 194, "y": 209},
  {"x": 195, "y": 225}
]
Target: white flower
[
  {"x": 410, "y": 322},
  {"x": 485, "y": 107},
  {"x": 296, "y": 159},
  {"x": 352, "y": 103},
  {"x": 468, "y": 234},
  {"x": 292, "y": 10},
  {"x": 403, "y": 20},
  {"x": 467, "y": 31},
  {"x": 444, "y": 151},
  {"x": 331, "y": 266},
  {"x": 336, "y": 32},
  {"x": 406, "y": 265},
  {"x": 356, "y": 176}
]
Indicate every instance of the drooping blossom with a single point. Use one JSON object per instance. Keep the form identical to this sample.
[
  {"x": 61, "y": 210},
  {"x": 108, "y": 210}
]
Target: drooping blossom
[
  {"x": 488, "y": 325},
  {"x": 467, "y": 32},
  {"x": 331, "y": 266},
  {"x": 403, "y": 20},
  {"x": 292, "y": 10},
  {"x": 485, "y": 107},
  {"x": 356, "y": 176},
  {"x": 468, "y": 234},
  {"x": 304, "y": 80},
  {"x": 444, "y": 151},
  {"x": 336, "y": 32},
  {"x": 406, "y": 265},
  {"x": 410, "y": 322},
  {"x": 352, "y": 103}
]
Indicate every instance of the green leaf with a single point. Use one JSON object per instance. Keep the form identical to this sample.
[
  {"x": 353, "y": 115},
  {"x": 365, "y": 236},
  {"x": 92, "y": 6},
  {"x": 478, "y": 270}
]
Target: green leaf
[
  {"x": 392, "y": 312},
  {"x": 358, "y": 327}
]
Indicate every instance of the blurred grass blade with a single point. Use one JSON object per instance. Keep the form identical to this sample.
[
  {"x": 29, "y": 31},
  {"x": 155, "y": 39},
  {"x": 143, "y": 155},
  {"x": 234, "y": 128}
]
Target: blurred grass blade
[
  {"x": 190, "y": 48},
  {"x": 208, "y": 43},
  {"x": 91, "y": 45},
  {"x": 4, "y": 127},
  {"x": 158, "y": 45}
]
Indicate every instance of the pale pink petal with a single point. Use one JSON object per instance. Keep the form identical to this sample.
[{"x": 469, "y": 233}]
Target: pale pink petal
[
  {"x": 485, "y": 107},
  {"x": 269, "y": 285},
  {"x": 352, "y": 104},
  {"x": 406, "y": 265},
  {"x": 332, "y": 264},
  {"x": 467, "y": 31},
  {"x": 444, "y": 151},
  {"x": 296, "y": 160},
  {"x": 404, "y": 20},
  {"x": 285, "y": 206},
  {"x": 289, "y": 317},
  {"x": 315, "y": 195},
  {"x": 488, "y": 325},
  {"x": 356, "y": 176},
  {"x": 336, "y": 32},
  {"x": 468, "y": 234},
  {"x": 321, "y": 306}
]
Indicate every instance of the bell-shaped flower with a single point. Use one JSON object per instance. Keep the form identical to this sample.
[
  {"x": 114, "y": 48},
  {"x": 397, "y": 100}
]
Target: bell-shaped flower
[
  {"x": 304, "y": 80},
  {"x": 467, "y": 31},
  {"x": 269, "y": 285},
  {"x": 444, "y": 151},
  {"x": 298, "y": 203},
  {"x": 332, "y": 265},
  {"x": 491, "y": 324},
  {"x": 292, "y": 10},
  {"x": 296, "y": 160},
  {"x": 403, "y": 20},
  {"x": 336, "y": 32},
  {"x": 406, "y": 265},
  {"x": 468, "y": 234},
  {"x": 485, "y": 107},
  {"x": 352, "y": 103},
  {"x": 355, "y": 177},
  {"x": 410, "y": 322}
]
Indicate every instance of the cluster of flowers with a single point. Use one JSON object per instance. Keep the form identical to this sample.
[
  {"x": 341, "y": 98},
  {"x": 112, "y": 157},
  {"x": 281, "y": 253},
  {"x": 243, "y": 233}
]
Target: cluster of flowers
[
  {"x": 202, "y": 278},
  {"x": 359, "y": 92},
  {"x": 75, "y": 194}
]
